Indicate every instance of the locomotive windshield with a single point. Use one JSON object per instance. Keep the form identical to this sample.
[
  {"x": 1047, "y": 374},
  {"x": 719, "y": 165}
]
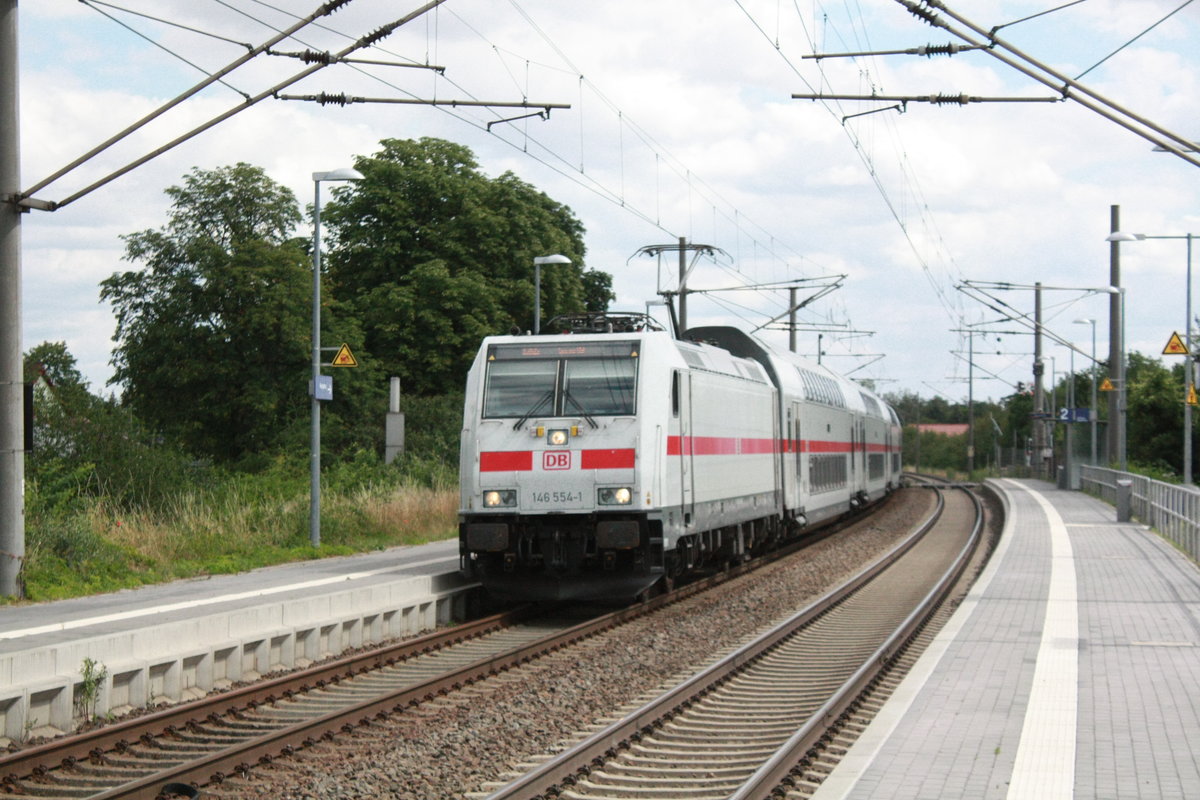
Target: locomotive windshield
[{"x": 588, "y": 378}]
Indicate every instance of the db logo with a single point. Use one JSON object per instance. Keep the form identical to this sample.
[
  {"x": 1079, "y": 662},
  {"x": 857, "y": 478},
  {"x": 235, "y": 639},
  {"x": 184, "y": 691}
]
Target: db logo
[{"x": 556, "y": 459}]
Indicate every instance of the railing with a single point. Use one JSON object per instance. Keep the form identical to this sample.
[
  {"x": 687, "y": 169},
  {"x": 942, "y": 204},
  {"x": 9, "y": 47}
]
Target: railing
[{"x": 1172, "y": 510}]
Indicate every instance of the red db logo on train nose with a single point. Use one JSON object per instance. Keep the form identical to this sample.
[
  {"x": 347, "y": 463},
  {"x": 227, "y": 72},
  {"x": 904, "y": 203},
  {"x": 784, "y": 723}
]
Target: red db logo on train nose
[{"x": 556, "y": 459}]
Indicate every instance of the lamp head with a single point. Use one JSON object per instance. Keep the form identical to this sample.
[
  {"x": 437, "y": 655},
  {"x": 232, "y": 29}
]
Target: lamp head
[
  {"x": 1121, "y": 236},
  {"x": 554, "y": 259},
  {"x": 343, "y": 174}
]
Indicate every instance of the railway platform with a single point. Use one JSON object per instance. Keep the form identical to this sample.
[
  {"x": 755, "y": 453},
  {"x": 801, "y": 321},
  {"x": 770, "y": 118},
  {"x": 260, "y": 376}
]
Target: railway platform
[
  {"x": 179, "y": 640},
  {"x": 1072, "y": 670}
]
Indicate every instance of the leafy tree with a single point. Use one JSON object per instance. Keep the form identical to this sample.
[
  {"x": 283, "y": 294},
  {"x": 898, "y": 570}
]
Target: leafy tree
[
  {"x": 1155, "y": 414},
  {"x": 597, "y": 290},
  {"x": 431, "y": 255},
  {"x": 213, "y": 334},
  {"x": 87, "y": 446}
]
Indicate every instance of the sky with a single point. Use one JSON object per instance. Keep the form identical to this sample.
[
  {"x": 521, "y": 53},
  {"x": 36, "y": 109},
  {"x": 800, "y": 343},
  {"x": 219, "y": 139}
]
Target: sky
[{"x": 681, "y": 123}]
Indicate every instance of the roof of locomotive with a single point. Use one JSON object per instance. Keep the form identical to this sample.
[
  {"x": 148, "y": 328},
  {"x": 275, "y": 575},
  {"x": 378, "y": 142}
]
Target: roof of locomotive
[{"x": 695, "y": 355}]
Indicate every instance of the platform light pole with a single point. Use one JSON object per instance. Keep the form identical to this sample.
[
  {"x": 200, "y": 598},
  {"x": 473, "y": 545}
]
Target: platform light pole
[
  {"x": 537, "y": 285},
  {"x": 314, "y": 509},
  {"x": 1189, "y": 381},
  {"x": 1092, "y": 412}
]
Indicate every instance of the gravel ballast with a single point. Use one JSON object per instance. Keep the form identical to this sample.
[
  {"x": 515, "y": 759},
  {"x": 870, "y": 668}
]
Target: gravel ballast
[{"x": 453, "y": 747}]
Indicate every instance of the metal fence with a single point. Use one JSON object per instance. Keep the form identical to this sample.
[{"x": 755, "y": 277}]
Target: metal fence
[{"x": 1172, "y": 510}]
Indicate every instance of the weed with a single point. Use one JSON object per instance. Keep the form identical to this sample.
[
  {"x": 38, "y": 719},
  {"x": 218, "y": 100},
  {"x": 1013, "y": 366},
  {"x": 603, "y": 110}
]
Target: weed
[{"x": 87, "y": 695}]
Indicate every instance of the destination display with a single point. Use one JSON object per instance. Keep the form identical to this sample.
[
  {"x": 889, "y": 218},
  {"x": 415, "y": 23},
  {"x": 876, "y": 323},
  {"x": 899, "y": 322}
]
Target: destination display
[{"x": 565, "y": 349}]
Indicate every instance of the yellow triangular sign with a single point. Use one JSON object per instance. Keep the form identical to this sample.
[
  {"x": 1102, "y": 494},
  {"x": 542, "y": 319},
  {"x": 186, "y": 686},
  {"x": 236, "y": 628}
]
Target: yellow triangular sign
[
  {"x": 1175, "y": 346},
  {"x": 1106, "y": 385},
  {"x": 344, "y": 358},
  {"x": 1191, "y": 396}
]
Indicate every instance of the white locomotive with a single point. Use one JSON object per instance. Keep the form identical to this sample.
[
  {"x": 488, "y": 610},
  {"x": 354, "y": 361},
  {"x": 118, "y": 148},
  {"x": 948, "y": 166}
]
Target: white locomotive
[{"x": 599, "y": 464}]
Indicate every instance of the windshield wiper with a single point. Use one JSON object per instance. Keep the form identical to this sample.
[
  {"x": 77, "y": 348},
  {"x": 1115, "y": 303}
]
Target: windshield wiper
[
  {"x": 536, "y": 408},
  {"x": 583, "y": 411}
]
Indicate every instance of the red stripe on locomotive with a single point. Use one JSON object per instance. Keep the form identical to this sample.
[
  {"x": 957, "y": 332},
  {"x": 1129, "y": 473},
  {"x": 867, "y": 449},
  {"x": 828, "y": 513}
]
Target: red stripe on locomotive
[
  {"x": 506, "y": 461},
  {"x": 608, "y": 459}
]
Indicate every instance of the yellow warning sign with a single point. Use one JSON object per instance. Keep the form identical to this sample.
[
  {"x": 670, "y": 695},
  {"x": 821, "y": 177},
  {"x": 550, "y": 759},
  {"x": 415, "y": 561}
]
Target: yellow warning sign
[
  {"x": 1175, "y": 346},
  {"x": 1191, "y": 396},
  {"x": 1106, "y": 385},
  {"x": 344, "y": 358}
]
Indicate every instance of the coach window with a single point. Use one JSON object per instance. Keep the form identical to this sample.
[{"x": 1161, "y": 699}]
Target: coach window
[{"x": 675, "y": 393}]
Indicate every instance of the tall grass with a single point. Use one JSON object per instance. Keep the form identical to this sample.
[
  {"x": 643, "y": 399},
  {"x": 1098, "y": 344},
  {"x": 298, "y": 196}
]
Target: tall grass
[{"x": 232, "y": 523}]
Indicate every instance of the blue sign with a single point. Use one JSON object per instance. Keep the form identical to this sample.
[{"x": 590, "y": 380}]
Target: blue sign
[
  {"x": 324, "y": 388},
  {"x": 1074, "y": 415}
]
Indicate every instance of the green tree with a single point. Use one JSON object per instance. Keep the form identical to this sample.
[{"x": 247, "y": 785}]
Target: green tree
[
  {"x": 432, "y": 255},
  {"x": 597, "y": 290},
  {"x": 213, "y": 333},
  {"x": 87, "y": 446},
  {"x": 1155, "y": 414}
]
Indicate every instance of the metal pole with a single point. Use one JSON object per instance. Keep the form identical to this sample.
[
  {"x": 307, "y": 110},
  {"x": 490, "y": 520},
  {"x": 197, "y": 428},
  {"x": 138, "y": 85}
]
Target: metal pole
[
  {"x": 1187, "y": 380},
  {"x": 314, "y": 509},
  {"x": 792, "y": 320},
  {"x": 1095, "y": 400},
  {"x": 1069, "y": 456},
  {"x": 1122, "y": 440},
  {"x": 12, "y": 439},
  {"x": 1116, "y": 359},
  {"x": 682, "y": 286},
  {"x": 537, "y": 297},
  {"x": 1039, "y": 394},
  {"x": 970, "y": 404}
]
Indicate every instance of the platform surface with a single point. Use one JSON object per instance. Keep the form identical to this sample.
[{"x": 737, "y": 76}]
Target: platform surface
[
  {"x": 23, "y": 626},
  {"x": 1071, "y": 671}
]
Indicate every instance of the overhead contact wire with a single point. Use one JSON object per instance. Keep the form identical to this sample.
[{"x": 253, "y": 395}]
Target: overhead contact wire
[
  {"x": 324, "y": 10},
  {"x": 364, "y": 41}
]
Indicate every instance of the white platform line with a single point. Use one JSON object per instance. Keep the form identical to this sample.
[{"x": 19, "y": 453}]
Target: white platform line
[
  {"x": 1045, "y": 761},
  {"x": 145, "y": 612}
]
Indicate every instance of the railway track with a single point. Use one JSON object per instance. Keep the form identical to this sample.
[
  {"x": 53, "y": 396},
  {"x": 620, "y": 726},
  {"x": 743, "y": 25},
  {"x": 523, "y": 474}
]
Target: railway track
[
  {"x": 207, "y": 741},
  {"x": 750, "y": 724},
  {"x": 225, "y": 733}
]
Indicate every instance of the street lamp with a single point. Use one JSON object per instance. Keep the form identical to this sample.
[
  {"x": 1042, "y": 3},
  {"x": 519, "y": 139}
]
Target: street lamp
[
  {"x": 314, "y": 509},
  {"x": 1188, "y": 379},
  {"x": 1092, "y": 414},
  {"x": 537, "y": 285}
]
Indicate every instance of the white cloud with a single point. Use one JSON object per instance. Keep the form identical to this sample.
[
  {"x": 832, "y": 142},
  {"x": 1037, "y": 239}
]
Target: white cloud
[{"x": 708, "y": 144}]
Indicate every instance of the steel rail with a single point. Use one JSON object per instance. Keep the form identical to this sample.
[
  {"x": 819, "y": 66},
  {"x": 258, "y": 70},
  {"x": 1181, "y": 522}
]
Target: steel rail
[
  {"x": 97, "y": 746},
  {"x": 93, "y": 744},
  {"x": 568, "y": 765},
  {"x": 240, "y": 758},
  {"x": 791, "y": 755}
]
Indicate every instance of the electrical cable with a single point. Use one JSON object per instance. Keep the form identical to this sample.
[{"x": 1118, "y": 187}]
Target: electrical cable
[
  {"x": 1185, "y": 4},
  {"x": 94, "y": 5},
  {"x": 358, "y": 44},
  {"x": 954, "y": 311},
  {"x": 26, "y": 197}
]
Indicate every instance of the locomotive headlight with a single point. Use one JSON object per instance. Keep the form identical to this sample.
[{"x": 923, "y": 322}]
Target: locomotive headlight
[
  {"x": 620, "y": 496},
  {"x": 499, "y": 498},
  {"x": 558, "y": 436}
]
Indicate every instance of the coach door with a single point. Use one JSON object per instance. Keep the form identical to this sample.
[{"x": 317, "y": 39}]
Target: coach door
[
  {"x": 793, "y": 469},
  {"x": 860, "y": 453},
  {"x": 681, "y": 413}
]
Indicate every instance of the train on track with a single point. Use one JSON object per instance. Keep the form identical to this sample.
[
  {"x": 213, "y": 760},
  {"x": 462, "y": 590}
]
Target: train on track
[{"x": 611, "y": 458}]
